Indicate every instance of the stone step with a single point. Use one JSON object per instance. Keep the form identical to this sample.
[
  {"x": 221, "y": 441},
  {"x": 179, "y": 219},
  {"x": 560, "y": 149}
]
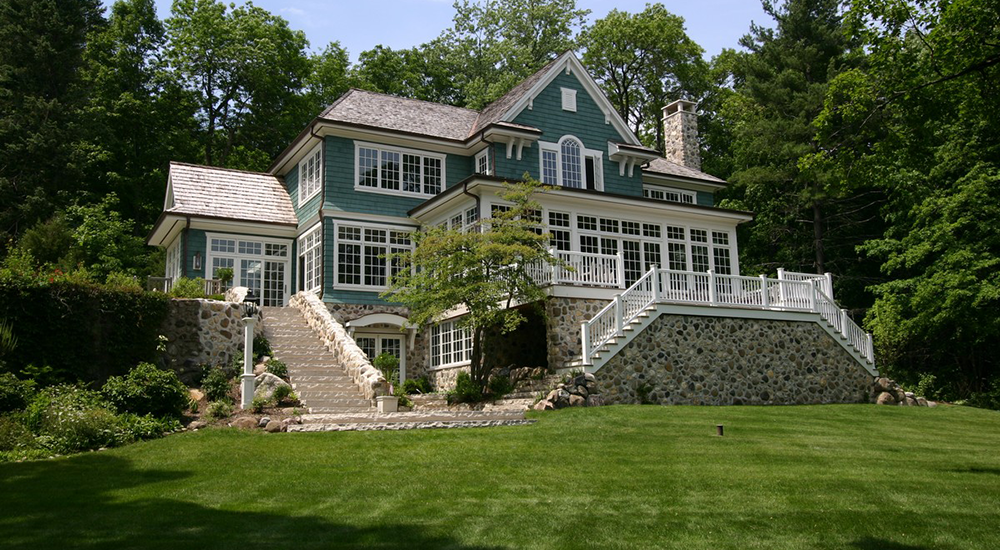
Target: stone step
[
  {"x": 323, "y": 394},
  {"x": 418, "y": 425},
  {"x": 412, "y": 416},
  {"x": 339, "y": 401}
]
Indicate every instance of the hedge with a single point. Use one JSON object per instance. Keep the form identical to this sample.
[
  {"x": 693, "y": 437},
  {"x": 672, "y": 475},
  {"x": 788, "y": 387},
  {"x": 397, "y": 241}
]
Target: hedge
[{"x": 68, "y": 331}]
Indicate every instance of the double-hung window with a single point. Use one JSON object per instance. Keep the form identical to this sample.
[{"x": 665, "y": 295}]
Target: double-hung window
[
  {"x": 450, "y": 345},
  {"x": 398, "y": 171},
  {"x": 309, "y": 260},
  {"x": 569, "y": 164},
  {"x": 483, "y": 162},
  {"x": 364, "y": 255},
  {"x": 310, "y": 174}
]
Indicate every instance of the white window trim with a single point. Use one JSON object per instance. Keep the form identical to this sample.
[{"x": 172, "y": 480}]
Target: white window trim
[
  {"x": 236, "y": 256},
  {"x": 430, "y": 347},
  {"x": 683, "y": 192},
  {"x": 568, "y": 99},
  {"x": 336, "y": 253},
  {"x": 483, "y": 154},
  {"x": 584, "y": 153},
  {"x": 401, "y": 150},
  {"x": 302, "y": 252},
  {"x": 320, "y": 174}
]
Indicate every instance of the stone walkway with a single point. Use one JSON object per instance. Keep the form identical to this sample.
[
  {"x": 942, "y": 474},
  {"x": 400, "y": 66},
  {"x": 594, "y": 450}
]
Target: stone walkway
[
  {"x": 322, "y": 385},
  {"x": 408, "y": 420}
]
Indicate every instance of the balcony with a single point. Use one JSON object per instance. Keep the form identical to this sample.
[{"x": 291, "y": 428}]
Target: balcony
[
  {"x": 164, "y": 284},
  {"x": 582, "y": 269}
]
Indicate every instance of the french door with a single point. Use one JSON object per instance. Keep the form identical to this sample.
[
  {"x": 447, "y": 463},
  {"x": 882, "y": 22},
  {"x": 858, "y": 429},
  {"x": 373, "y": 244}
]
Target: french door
[{"x": 376, "y": 344}]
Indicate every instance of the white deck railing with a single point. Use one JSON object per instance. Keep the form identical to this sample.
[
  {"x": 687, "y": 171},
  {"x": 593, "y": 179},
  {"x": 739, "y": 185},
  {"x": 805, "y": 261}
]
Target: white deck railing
[
  {"x": 710, "y": 289},
  {"x": 164, "y": 284},
  {"x": 581, "y": 269}
]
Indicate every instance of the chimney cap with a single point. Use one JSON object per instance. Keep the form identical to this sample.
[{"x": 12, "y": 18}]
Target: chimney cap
[{"x": 680, "y": 105}]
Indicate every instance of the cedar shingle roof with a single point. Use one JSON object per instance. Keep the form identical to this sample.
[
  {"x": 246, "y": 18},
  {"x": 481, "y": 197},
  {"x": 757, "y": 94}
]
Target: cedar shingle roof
[
  {"x": 492, "y": 112},
  {"x": 233, "y": 194},
  {"x": 667, "y": 168},
  {"x": 401, "y": 114}
]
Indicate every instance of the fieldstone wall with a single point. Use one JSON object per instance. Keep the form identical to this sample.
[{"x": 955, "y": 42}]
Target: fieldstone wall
[
  {"x": 344, "y": 313},
  {"x": 416, "y": 358},
  {"x": 444, "y": 379},
  {"x": 689, "y": 360},
  {"x": 203, "y": 332},
  {"x": 563, "y": 317},
  {"x": 345, "y": 351}
]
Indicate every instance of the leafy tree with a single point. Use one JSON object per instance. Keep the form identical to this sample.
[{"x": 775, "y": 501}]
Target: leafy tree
[
  {"x": 246, "y": 68},
  {"x": 423, "y": 73},
  {"x": 329, "y": 78},
  {"x": 103, "y": 239},
  {"x": 921, "y": 121},
  {"x": 41, "y": 94},
  {"x": 487, "y": 269},
  {"x": 643, "y": 61}
]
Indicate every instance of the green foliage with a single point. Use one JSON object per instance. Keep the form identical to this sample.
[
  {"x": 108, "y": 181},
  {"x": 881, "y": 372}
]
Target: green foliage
[
  {"x": 188, "y": 288},
  {"x": 500, "y": 386},
  {"x": 123, "y": 281},
  {"x": 283, "y": 394},
  {"x": 219, "y": 409},
  {"x": 69, "y": 419},
  {"x": 14, "y": 394},
  {"x": 14, "y": 434},
  {"x": 486, "y": 270},
  {"x": 417, "y": 385},
  {"x": 388, "y": 364},
  {"x": 466, "y": 391},
  {"x": 8, "y": 340},
  {"x": 147, "y": 390},
  {"x": 133, "y": 427},
  {"x": 261, "y": 347},
  {"x": 216, "y": 385},
  {"x": 224, "y": 274},
  {"x": 79, "y": 330},
  {"x": 276, "y": 368},
  {"x": 259, "y": 403},
  {"x": 103, "y": 241}
]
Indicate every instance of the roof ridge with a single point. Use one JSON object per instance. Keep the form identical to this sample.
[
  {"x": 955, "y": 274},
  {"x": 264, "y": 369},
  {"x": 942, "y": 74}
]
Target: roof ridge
[
  {"x": 435, "y": 103},
  {"x": 268, "y": 174}
]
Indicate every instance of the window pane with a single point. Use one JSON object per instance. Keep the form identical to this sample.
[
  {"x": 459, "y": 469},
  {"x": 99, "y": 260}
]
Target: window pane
[
  {"x": 250, "y": 275},
  {"x": 677, "y": 256},
  {"x": 411, "y": 173},
  {"x": 280, "y": 250},
  {"x": 349, "y": 264},
  {"x": 390, "y": 170},
  {"x": 699, "y": 258},
  {"x": 571, "y": 171},
  {"x": 549, "y": 168},
  {"x": 367, "y": 167},
  {"x": 432, "y": 176},
  {"x": 374, "y": 266}
]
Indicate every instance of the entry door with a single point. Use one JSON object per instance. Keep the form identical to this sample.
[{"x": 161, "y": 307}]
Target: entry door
[
  {"x": 375, "y": 344},
  {"x": 274, "y": 283}
]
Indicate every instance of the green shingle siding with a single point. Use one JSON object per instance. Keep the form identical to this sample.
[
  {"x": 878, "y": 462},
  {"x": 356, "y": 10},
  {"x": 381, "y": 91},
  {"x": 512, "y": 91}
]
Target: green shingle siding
[
  {"x": 587, "y": 124},
  {"x": 196, "y": 243},
  {"x": 706, "y": 199},
  {"x": 353, "y": 297},
  {"x": 329, "y": 255}
]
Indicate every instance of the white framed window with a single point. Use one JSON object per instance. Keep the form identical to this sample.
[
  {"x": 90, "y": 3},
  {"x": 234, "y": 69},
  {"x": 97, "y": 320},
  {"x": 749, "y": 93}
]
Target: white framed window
[
  {"x": 364, "y": 255},
  {"x": 483, "y": 162},
  {"x": 258, "y": 263},
  {"x": 568, "y": 163},
  {"x": 568, "y": 99},
  {"x": 173, "y": 263},
  {"x": 451, "y": 345},
  {"x": 397, "y": 171},
  {"x": 670, "y": 194},
  {"x": 310, "y": 260},
  {"x": 310, "y": 174}
]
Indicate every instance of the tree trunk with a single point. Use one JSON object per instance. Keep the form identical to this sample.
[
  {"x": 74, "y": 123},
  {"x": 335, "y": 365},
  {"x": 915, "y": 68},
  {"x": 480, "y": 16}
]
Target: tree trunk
[{"x": 476, "y": 359}]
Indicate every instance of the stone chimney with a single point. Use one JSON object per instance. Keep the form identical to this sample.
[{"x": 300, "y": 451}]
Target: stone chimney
[{"x": 680, "y": 134}]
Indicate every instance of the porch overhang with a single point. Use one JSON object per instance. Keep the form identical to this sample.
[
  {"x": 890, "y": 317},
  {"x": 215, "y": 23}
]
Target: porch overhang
[{"x": 170, "y": 224}]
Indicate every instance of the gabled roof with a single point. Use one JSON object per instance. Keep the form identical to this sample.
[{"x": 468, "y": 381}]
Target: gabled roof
[
  {"x": 664, "y": 167},
  {"x": 401, "y": 114},
  {"x": 211, "y": 192},
  {"x": 494, "y": 112}
]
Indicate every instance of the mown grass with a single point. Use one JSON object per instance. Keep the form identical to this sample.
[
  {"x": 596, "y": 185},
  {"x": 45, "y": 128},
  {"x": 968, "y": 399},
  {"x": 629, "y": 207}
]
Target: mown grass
[{"x": 862, "y": 477}]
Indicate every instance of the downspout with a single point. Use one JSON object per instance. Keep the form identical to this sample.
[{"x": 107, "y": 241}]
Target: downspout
[
  {"x": 465, "y": 191},
  {"x": 322, "y": 223},
  {"x": 184, "y": 243}
]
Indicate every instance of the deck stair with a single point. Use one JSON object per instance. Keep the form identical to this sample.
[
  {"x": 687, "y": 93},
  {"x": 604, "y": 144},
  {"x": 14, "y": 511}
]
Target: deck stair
[{"x": 321, "y": 384}]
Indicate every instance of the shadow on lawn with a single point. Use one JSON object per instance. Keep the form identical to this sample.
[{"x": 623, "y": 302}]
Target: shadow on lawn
[
  {"x": 76, "y": 503},
  {"x": 869, "y": 543}
]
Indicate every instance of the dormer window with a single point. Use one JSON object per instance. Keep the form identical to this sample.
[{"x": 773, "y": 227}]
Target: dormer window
[
  {"x": 670, "y": 194},
  {"x": 569, "y": 164},
  {"x": 310, "y": 174},
  {"x": 483, "y": 162}
]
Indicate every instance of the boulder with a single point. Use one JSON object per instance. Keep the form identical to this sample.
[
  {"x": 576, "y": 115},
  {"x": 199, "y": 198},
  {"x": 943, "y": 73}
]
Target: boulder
[
  {"x": 291, "y": 420},
  {"x": 581, "y": 390},
  {"x": 577, "y": 401},
  {"x": 245, "y": 422},
  {"x": 266, "y": 384},
  {"x": 274, "y": 426},
  {"x": 922, "y": 401},
  {"x": 885, "y": 398},
  {"x": 263, "y": 421},
  {"x": 195, "y": 395},
  {"x": 236, "y": 294},
  {"x": 910, "y": 401},
  {"x": 590, "y": 377},
  {"x": 197, "y": 425},
  {"x": 562, "y": 399},
  {"x": 259, "y": 369},
  {"x": 594, "y": 400},
  {"x": 543, "y": 405},
  {"x": 932, "y": 404},
  {"x": 884, "y": 384}
]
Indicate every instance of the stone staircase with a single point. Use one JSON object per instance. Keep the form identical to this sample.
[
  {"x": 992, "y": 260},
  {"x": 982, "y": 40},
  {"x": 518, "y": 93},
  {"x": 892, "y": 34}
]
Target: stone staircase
[
  {"x": 322, "y": 385},
  {"x": 373, "y": 421}
]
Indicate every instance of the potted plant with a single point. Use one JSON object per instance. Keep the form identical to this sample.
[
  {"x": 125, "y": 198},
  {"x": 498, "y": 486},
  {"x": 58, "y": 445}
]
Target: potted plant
[{"x": 389, "y": 365}]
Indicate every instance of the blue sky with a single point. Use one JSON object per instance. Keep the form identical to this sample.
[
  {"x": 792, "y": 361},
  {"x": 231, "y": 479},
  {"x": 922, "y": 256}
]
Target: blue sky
[{"x": 361, "y": 25}]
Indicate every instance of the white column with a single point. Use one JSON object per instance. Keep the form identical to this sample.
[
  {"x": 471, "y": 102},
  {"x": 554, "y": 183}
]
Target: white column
[
  {"x": 828, "y": 285},
  {"x": 843, "y": 322},
  {"x": 585, "y": 344},
  {"x": 247, "y": 378},
  {"x": 654, "y": 276},
  {"x": 764, "y": 298},
  {"x": 553, "y": 268}
]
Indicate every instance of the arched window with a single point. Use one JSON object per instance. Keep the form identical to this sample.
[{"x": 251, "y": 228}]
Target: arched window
[{"x": 571, "y": 160}]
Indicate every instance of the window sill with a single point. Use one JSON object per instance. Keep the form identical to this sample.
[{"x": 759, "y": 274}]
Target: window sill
[
  {"x": 393, "y": 192},
  {"x": 304, "y": 200},
  {"x": 450, "y": 366}
]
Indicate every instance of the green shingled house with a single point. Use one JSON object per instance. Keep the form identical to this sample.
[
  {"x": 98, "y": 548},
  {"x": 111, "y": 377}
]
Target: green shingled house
[{"x": 371, "y": 168}]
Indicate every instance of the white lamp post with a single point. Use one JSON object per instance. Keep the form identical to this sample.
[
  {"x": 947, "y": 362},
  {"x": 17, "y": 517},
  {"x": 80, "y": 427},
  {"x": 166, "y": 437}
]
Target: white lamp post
[{"x": 247, "y": 378}]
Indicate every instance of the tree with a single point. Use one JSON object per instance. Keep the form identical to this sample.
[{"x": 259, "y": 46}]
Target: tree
[
  {"x": 921, "y": 121},
  {"x": 41, "y": 95},
  {"x": 419, "y": 73},
  {"x": 329, "y": 77},
  {"x": 246, "y": 68},
  {"x": 487, "y": 269},
  {"x": 643, "y": 61}
]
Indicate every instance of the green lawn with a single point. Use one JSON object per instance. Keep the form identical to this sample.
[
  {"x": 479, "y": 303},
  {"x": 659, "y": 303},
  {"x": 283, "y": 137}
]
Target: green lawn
[{"x": 615, "y": 477}]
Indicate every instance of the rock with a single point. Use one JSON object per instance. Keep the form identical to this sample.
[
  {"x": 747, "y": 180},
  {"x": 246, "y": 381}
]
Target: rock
[
  {"x": 263, "y": 421},
  {"x": 590, "y": 378},
  {"x": 577, "y": 401},
  {"x": 266, "y": 384},
  {"x": 885, "y": 398},
  {"x": 932, "y": 404},
  {"x": 883, "y": 384},
  {"x": 195, "y": 395},
  {"x": 274, "y": 426},
  {"x": 911, "y": 402},
  {"x": 197, "y": 425},
  {"x": 259, "y": 369},
  {"x": 291, "y": 420},
  {"x": 552, "y": 396},
  {"x": 581, "y": 390},
  {"x": 543, "y": 405},
  {"x": 595, "y": 401},
  {"x": 910, "y": 395},
  {"x": 922, "y": 402},
  {"x": 562, "y": 399},
  {"x": 245, "y": 422}
]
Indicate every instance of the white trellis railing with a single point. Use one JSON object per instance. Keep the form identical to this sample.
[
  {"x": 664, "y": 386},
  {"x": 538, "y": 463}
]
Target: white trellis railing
[{"x": 687, "y": 287}]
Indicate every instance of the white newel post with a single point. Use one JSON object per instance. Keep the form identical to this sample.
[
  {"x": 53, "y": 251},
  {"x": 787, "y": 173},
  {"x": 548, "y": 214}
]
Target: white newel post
[
  {"x": 764, "y": 298},
  {"x": 553, "y": 267},
  {"x": 247, "y": 378},
  {"x": 828, "y": 285},
  {"x": 585, "y": 344},
  {"x": 781, "y": 286},
  {"x": 619, "y": 321},
  {"x": 655, "y": 278},
  {"x": 621, "y": 269},
  {"x": 843, "y": 323},
  {"x": 711, "y": 287}
]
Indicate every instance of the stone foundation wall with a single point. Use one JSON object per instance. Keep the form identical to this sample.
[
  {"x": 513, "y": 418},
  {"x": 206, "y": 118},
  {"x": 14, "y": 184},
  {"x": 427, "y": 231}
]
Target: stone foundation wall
[
  {"x": 444, "y": 379},
  {"x": 688, "y": 360},
  {"x": 344, "y": 313},
  {"x": 563, "y": 319},
  {"x": 416, "y": 358},
  {"x": 203, "y": 332}
]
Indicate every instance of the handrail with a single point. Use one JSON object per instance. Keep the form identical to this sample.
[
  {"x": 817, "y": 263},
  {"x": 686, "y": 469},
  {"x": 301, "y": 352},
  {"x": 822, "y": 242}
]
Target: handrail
[{"x": 793, "y": 293}]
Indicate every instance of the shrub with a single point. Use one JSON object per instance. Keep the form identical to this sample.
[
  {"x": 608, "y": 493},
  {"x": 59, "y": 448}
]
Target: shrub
[
  {"x": 14, "y": 394},
  {"x": 500, "y": 386},
  {"x": 188, "y": 288},
  {"x": 261, "y": 347},
  {"x": 418, "y": 385},
  {"x": 69, "y": 419},
  {"x": 123, "y": 281},
  {"x": 216, "y": 385},
  {"x": 465, "y": 390},
  {"x": 14, "y": 434},
  {"x": 277, "y": 368},
  {"x": 133, "y": 427},
  {"x": 219, "y": 409},
  {"x": 259, "y": 403},
  {"x": 388, "y": 364},
  {"x": 147, "y": 390}
]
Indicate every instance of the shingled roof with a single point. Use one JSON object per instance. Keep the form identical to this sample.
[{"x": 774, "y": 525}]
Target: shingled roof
[
  {"x": 230, "y": 194},
  {"x": 667, "y": 168},
  {"x": 401, "y": 114},
  {"x": 494, "y": 111}
]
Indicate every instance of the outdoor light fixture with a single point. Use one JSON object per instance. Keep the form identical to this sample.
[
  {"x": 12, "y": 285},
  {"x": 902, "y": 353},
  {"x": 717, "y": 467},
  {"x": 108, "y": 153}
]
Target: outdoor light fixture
[
  {"x": 197, "y": 261},
  {"x": 250, "y": 304}
]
